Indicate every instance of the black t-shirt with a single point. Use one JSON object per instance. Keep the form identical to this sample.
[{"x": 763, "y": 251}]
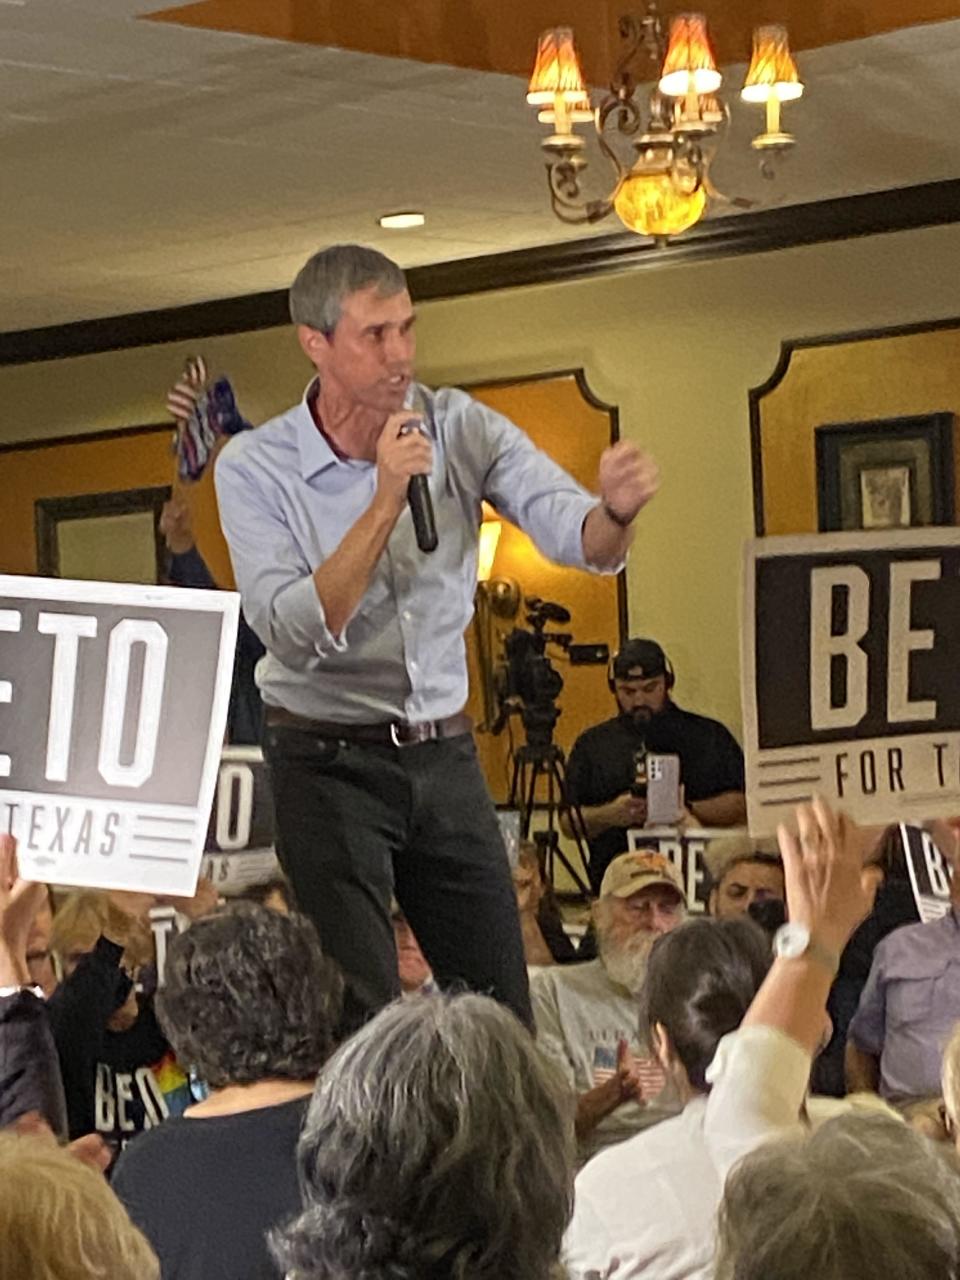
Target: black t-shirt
[
  {"x": 601, "y": 766},
  {"x": 206, "y": 1191},
  {"x": 117, "y": 1083}
]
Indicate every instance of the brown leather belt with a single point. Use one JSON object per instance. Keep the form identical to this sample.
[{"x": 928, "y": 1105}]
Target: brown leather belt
[{"x": 388, "y": 733}]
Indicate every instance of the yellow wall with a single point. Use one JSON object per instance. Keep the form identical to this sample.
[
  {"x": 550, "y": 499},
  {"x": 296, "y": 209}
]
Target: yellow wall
[
  {"x": 888, "y": 377},
  {"x": 676, "y": 348}
]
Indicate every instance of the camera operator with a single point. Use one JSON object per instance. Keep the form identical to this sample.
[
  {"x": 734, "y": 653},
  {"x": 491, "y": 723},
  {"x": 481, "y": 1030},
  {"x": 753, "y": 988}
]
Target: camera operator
[{"x": 607, "y": 764}]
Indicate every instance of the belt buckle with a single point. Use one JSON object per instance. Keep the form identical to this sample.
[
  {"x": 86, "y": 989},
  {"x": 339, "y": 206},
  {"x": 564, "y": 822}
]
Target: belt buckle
[{"x": 404, "y": 734}]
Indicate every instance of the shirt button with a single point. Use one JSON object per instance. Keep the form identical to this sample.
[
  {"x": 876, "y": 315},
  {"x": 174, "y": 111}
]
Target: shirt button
[
  {"x": 414, "y": 667},
  {"x": 406, "y": 615}
]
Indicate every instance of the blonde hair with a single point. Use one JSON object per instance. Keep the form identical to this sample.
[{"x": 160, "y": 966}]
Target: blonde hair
[
  {"x": 59, "y": 1220},
  {"x": 85, "y": 915},
  {"x": 951, "y": 1078}
]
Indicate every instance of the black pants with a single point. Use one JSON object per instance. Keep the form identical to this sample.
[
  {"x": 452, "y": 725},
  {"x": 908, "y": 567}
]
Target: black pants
[{"x": 357, "y": 824}]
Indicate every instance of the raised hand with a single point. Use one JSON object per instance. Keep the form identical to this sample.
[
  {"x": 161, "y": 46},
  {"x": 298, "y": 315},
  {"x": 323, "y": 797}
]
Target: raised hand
[
  {"x": 828, "y": 888},
  {"x": 186, "y": 391},
  {"x": 20, "y": 900}
]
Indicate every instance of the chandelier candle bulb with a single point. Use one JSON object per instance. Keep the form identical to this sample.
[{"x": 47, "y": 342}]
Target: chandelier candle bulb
[
  {"x": 772, "y": 78},
  {"x": 689, "y": 68}
]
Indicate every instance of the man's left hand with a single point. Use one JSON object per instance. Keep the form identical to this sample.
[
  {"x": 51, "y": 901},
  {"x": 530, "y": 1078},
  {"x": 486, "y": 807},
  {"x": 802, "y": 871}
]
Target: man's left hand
[{"x": 628, "y": 480}]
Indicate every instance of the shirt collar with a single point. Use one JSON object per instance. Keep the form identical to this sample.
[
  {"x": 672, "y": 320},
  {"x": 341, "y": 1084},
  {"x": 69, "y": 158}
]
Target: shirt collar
[{"x": 315, "y": 452}]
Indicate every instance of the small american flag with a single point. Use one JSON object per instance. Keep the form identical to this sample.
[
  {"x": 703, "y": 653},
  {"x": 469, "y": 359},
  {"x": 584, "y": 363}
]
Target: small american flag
[{"x": 649, "y": 1071}]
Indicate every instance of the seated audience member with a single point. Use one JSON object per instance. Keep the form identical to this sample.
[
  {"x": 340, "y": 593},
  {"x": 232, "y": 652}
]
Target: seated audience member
[
  {"x": 416, "y": 978},
  {"x": 544, "y": 939},
  {"x": 30, "y": 1085},
  {"x": 864, "y": 1196},
  {"x": 742, "y": 872},
  {"x": 647, "y": 1206},
  {"x": 438, "y": 1146},
  {"x": 894, "y": 906},
  {"x": 586, "y": 1015},
  {"x": 250, "y": 1003},
  {"x": 187, "y": 568},
  {"x": 274, "y": 893},
  {"x": 908, "y": 1009},
  {"x": 60, "y": 1221},
  {"x": 603, "y": 763},
  {"x": 119, "y": 1073}
]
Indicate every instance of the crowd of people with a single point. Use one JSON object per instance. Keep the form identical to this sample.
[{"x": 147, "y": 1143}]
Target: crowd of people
[
  {"x": 661, "y": 1122},
  {"x": 395, "y": 1062}
]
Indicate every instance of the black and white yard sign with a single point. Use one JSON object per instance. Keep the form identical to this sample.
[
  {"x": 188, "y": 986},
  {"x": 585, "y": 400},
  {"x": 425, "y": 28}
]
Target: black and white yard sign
[
  {"x": 240, "y": 838},
  {"x": 930, "y": 873},
  {"x": 113, "y": 701},
  {"x": 851, "y": 674}
]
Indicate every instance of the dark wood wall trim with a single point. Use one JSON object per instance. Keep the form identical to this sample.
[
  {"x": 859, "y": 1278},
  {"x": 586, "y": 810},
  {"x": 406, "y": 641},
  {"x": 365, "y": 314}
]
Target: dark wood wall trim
[
  {"x": 787, "y": 348},
  {"x": 932, "y": 204}
]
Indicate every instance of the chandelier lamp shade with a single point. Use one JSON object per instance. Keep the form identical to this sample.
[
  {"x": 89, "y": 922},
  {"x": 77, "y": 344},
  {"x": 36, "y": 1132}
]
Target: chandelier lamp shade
[{"x": 660, "y": 143}]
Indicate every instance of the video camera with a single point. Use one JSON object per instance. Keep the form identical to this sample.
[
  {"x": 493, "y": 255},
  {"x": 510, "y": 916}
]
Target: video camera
[{"x": 527, "y": 682}]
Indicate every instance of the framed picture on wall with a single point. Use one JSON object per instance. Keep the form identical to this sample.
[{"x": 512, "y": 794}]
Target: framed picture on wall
[
  {"x": 107, "y": 537},
  {"x": 892, "y": 473}
]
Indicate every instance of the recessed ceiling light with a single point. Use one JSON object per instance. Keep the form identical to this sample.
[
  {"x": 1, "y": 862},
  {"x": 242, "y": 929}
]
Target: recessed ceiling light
[{"x": 403, "y": 220}]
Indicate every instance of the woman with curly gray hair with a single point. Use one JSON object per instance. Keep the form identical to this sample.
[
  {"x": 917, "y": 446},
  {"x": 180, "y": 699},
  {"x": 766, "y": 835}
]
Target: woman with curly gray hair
[
  {"x": 250, "y": 1004},
  {"x": 438, "y": 1146}
]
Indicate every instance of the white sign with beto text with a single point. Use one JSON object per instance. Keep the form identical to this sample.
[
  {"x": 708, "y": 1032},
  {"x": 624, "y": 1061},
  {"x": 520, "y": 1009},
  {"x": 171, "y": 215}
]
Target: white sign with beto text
[
  {"x": 850, "y": 652},
  {"x": 240, "y": 838},
  {"x": 113, "y": 703}
]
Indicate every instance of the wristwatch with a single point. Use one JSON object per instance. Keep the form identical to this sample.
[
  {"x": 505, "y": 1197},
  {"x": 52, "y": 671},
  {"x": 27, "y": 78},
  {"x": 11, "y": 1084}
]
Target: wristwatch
[
  {"x": 23, "y": 986},
  {"x": 791, "y": 941}
]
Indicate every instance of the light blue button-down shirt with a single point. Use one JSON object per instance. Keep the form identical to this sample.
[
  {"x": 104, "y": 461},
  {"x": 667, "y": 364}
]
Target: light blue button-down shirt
[{"x": 286, "y": 501}]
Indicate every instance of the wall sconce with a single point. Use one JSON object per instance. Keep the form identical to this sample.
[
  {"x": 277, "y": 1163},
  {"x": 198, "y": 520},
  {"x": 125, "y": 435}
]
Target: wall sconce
[{"x": 490, "y": 531}]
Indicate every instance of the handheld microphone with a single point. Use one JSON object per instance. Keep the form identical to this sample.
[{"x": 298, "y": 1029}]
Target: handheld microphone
[{"x": 421, "y": 504}]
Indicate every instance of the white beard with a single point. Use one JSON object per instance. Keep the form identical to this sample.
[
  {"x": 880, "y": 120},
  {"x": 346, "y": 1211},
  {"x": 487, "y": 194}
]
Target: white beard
[{"x": 626, "y": 961}]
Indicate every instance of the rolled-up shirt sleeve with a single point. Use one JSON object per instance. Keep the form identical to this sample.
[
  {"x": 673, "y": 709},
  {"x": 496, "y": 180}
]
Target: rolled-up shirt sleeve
[
  {"x": 529, "y": 488},
  {"x": 758, "y": 1078},
  {"x": 280, "y": 599}
]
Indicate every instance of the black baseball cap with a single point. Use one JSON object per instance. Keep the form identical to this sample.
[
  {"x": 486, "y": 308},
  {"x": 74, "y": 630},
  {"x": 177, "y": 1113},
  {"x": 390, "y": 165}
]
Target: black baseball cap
[{"x": 642, "y": 659}]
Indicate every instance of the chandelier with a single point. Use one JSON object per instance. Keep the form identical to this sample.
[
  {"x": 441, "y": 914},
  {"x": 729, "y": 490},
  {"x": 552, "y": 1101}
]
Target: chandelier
[{"x": 664, "y": 188}]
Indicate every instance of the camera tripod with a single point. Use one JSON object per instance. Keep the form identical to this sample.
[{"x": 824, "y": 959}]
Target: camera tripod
[{"x": 544, "y": 759}]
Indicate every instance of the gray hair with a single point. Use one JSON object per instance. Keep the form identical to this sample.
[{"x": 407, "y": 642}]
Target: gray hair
[
  {"x": 322, "y": 283},
  {"x": 438, "y": 1146},
  {"x": 864, "y": 1196}
]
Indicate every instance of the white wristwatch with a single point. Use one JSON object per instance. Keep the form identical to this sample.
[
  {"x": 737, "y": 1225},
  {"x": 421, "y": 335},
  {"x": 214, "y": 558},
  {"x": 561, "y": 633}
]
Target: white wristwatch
[{"x": 791, "y": 941}]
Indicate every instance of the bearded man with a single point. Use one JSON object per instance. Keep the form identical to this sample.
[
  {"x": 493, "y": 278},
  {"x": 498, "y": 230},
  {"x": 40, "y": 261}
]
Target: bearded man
[
  {"x": 587, "y": 1015},
  {"x": 603, "y": 769}
]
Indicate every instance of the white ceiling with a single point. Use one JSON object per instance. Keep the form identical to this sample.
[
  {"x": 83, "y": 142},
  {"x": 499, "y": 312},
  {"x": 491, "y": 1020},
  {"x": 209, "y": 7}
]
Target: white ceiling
[{"x": 145, "y": 165}]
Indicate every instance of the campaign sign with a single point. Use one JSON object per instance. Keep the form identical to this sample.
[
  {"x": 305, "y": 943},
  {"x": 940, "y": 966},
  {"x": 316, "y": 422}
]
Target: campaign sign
[
  {"x": 113, "y": 701},
  {"x": 850, "y": 654},
  {"x": 239, "y": 848},
  {"x": 685, "y": 850},
  {"x": 930, "y": 873}
]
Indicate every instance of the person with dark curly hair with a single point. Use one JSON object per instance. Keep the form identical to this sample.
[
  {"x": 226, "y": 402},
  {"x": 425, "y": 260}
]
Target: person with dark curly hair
[
  {"x": 251, "y": 1004},
  {"x": 438, "y": 1146}
]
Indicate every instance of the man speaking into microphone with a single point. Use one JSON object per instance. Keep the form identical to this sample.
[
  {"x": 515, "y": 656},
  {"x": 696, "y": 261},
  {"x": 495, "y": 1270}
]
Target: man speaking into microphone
[{"x": 376, "y": 782}]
